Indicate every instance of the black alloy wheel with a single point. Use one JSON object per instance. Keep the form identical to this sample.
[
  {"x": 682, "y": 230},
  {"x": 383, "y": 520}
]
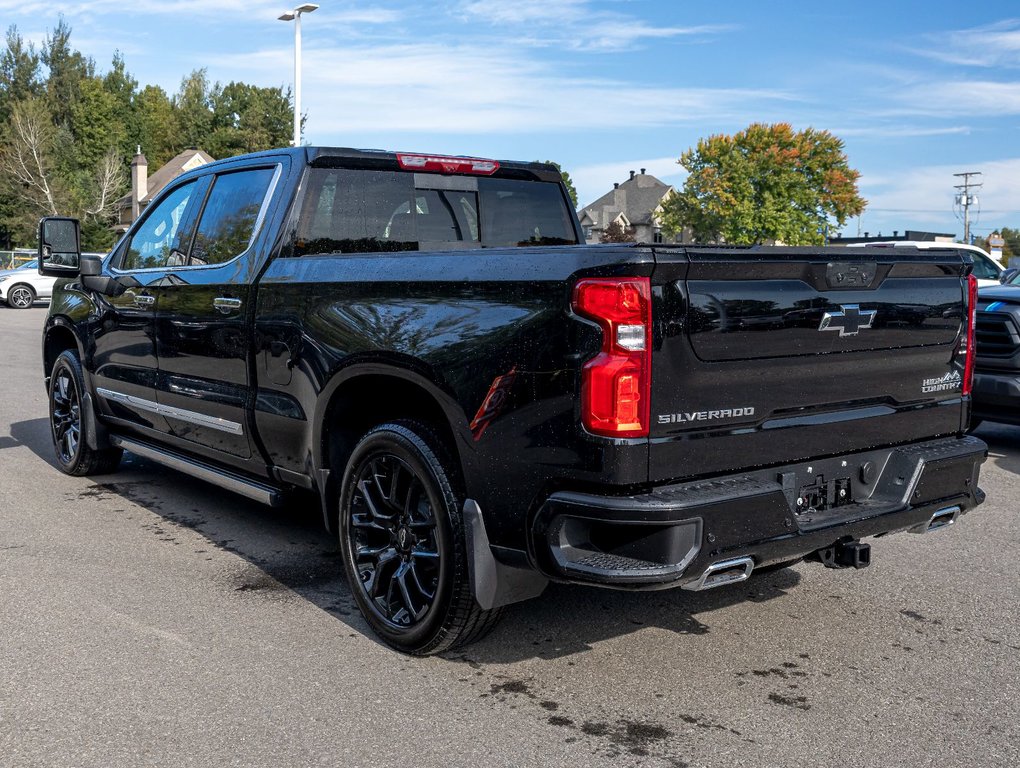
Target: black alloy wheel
[
  {"x": 21, "y": 296},
  {"x": 74, "y": 455},
  {"x": 65, "y": 416},
  {"x": 394, "y": 541},
  {"x": 402, "y": 542}
]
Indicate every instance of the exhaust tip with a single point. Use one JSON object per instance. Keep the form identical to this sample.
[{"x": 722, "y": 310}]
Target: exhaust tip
[
  {"x": 721, "y": 573},
  {"x": 943, "y": 518}
]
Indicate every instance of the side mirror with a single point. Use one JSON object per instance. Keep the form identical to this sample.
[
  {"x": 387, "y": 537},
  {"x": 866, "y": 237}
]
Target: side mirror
[
  {"x": 59, "y": 246},
  {"x": 1007, "y": 275}
]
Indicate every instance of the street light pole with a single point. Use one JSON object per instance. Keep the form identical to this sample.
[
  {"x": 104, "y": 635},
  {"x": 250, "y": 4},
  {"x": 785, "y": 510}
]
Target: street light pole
[{"x": 295, "y": 16}]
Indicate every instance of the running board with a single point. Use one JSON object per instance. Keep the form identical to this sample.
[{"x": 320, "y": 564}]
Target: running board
[{"x": 251, "y": 489}]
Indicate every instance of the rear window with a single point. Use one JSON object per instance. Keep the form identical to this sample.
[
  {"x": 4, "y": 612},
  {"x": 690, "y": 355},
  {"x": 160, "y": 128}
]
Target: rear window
[{"x": 357, "y": 211}]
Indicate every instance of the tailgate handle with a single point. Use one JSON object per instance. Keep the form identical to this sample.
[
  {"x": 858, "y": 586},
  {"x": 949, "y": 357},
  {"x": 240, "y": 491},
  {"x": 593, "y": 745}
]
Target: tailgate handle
[{"x": 846, "y": 274}]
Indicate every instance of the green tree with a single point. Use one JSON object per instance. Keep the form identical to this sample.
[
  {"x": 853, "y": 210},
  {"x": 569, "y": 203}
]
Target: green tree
[
  {"x": 19, "y": 73},
  {"x": 66, "y": 68},
  {"x": 158, "y": 130},
  {"x": 767, "y": 182},
  {"x": 193, "y": 108},
  {"x": 123, "y": 89},
  {"x": 246, "y": 118},
  {"x": 567, "y": 181},
  {"x": 28, "y": 167},
  {"x": 67, "y": 134},
  {"x": 616, "y": 233}
]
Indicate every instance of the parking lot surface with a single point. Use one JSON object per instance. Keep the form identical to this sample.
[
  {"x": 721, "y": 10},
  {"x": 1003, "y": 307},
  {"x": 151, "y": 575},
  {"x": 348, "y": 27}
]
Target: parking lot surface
[{"x": 148, "y": 619}]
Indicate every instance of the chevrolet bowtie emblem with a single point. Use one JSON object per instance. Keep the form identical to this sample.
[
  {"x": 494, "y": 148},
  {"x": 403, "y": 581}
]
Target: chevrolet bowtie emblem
[{"x": 851, "y": 321}]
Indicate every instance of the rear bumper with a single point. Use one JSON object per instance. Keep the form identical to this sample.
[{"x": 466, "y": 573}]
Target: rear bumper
[{"x": 674, "y": 534}]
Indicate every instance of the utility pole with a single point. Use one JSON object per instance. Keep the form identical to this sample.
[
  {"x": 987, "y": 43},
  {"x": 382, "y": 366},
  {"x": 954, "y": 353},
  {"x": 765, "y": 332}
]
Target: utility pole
[{"x": 965, "y": 199}]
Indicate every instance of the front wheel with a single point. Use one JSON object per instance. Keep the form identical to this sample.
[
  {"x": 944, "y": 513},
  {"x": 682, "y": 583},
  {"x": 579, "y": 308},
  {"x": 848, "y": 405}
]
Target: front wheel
[
  {"x": 402, "y": 542},
  {"x": 74, "y": 456},
  {"x": 21, "y": 296}
]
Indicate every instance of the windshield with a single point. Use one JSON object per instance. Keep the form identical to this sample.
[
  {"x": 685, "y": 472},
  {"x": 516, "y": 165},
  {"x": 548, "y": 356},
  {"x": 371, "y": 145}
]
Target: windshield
[{"x": 351, "y": 211}]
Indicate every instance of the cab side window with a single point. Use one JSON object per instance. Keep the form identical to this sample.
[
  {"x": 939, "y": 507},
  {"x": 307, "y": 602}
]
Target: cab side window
[
  {"x": 156, "y": 241},
  {"x": 231, "y": 211}
]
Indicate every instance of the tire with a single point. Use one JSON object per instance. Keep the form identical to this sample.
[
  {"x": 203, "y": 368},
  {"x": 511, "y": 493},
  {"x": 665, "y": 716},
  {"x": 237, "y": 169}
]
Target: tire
[
  {"x": 20, "y": 296},
  {"x": 74, "y": 456},
  {"x": 402, "y": 542}
]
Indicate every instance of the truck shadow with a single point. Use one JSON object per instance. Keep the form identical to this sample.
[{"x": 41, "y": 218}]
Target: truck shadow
[
  {"x": 286, "y": 554},
  {"x": 1003, "y": 445}
]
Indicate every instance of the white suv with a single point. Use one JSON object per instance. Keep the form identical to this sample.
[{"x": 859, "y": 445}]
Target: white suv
[
  {"x": 986, "y": 269},
  {"x": 21, "y": 287}
]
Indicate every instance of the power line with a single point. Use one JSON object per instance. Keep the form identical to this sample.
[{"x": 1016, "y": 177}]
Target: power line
[{"x": 965, "y": 199}]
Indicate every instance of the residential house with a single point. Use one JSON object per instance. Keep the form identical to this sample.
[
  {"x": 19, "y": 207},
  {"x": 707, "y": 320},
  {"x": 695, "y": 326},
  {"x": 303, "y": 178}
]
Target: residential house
[
  {"x": 636, "y": 205},
  {"x": 144, "y": 187}
]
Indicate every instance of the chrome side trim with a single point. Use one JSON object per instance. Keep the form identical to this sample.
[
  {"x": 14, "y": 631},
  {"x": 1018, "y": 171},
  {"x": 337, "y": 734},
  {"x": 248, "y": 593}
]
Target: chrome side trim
[
  {"x": 200, "y": 419},
  {"x": 247, "y": 488}
]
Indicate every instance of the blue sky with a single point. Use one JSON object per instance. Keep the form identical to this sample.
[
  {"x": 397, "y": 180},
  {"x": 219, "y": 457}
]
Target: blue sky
[{"x": 917, "y": 90}]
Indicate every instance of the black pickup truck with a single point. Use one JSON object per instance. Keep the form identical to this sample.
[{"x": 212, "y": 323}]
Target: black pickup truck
[{"x": 483, "y": 404}]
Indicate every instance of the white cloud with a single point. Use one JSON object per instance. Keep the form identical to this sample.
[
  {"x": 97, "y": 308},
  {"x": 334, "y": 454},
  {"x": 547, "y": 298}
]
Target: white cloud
[
  {"x": 434, "y": 88},
  {"x": 575, "y": 24},
  {"x": 992, "y": 45},
  {"x": 967, "y": 97},
  {"x": 213, "y": 9},
  {"x": 899, "y": 131},
  {"x": 924, "y": 196}
]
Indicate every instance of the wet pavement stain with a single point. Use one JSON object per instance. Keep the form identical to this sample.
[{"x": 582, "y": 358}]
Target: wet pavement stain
[
  {"x": 707, "y": 724},
  {"x": 919, "y": 617},
  {"x": 511, "y": 686},
  {"x": 798, "y": 702}
]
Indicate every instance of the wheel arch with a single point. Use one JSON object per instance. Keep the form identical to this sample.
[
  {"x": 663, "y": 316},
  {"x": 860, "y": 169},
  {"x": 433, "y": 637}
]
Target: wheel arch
[
  {"x": 363, "y": 395},
  {"x": 58, "y": 336}
]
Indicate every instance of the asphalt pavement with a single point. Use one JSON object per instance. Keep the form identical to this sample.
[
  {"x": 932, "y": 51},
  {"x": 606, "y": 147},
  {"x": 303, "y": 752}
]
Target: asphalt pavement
[{"x": 149, "y": 619}]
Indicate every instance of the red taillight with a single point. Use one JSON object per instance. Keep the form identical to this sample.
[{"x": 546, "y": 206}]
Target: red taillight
[
  {"x": 970, "y": 352},
  {"x": 443, "y": 164},
  {"x": 616, "y": 384}
]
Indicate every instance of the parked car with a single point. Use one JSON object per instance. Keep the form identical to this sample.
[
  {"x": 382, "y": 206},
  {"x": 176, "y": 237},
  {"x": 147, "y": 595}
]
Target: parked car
[
  {"x": 21, "y": 287},
  {"x": 986, "y": 269},
  {"x": 997, "y": 365}
]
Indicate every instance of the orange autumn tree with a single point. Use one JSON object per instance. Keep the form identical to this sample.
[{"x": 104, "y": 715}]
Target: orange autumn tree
[{"x": 765, "y": 183}]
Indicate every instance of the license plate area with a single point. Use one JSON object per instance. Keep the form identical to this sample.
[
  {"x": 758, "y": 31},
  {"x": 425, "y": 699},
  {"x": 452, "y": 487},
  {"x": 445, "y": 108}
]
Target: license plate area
[{"x": 824, "y": 493}]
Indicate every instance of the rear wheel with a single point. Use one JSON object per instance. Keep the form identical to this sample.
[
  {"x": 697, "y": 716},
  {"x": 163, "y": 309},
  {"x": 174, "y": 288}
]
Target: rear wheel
[
  {"x": 402, "y": 542},
  {"x": 74, "y": 456},
  {"x": 21, "y": 296}
]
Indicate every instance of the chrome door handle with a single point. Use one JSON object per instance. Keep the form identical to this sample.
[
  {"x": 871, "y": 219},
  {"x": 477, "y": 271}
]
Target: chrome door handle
[
  {"x": 144, "y": 300},
  {"x": 226, "y": 305}
]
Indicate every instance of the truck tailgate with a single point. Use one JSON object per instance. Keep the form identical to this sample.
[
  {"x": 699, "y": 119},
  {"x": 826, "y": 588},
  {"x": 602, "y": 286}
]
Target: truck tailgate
[{"x": 773, "y": 355}]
